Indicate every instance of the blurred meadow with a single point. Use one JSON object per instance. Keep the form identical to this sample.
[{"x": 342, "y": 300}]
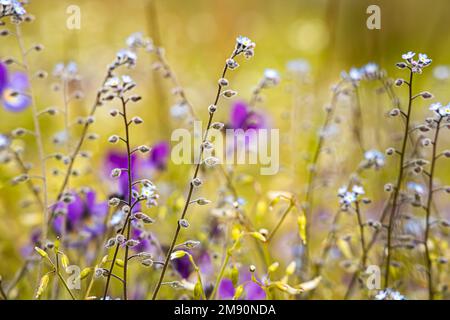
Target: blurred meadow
[{"x": 313, "y": 45}]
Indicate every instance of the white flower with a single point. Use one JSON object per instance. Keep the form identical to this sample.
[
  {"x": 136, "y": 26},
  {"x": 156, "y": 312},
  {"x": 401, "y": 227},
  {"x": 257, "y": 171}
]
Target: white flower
[
  {"x": 375, "y": 158},
  {"x": 342, "y": 190},
  {"x": 441, "y": 72},
  {"x": 409, "y": 55},
  {"x": 126, "y": 57},
  {"x": 113, "y": 82},
  {"x": 423, "y": 59},
  {"x": 271, "y": 77},
  {"x": 298, "y": 66},
  {"x": 358, "y": 190},
  {"x": 348, "y": 199},
  {"x": 440, "y": 110},
  {"x": 244, "y": 43},
  {"x": 137, "y": 40},
  {"x": 389, "y": 294},
  {"x": 416, "y": 187},
  {"x": 4, "y": 142}
]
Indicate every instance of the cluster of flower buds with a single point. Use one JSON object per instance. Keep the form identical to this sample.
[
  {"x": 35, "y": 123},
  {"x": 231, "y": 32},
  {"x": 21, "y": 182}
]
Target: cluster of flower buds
[{"x": 416, "y": 66}]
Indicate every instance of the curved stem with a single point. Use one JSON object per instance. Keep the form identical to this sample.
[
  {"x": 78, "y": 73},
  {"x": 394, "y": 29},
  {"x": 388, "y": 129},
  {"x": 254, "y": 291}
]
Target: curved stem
[
  {"x": 398, "y": 185},
  {"x": 428, "y": 213},
  {"x": 191, "y": 187}
]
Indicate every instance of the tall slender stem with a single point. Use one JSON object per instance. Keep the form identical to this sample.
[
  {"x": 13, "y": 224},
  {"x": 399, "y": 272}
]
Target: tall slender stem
[
  {"x": 127, "y": 223},
  {"x": 398, "y": 185},
  {"x": 37, "y": 131},
  {"x": 130, "y": 177},
  {"x": 191, "y": 186},
  {"x": 309, "y": 196},
  {"x": 428, "y": 212}
]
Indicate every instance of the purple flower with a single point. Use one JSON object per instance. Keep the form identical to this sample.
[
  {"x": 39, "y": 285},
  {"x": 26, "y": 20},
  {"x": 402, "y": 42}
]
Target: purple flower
[
  {"x": 78, "y": 212},
  {"x": 183, "y": 266},
  {"x": 159, "y": 155},
  {"x": 226, "y": 289},
  {"x": 13, "y": 90},
  {"x": 252, "y": 290},
  {"x": 117, "y": 159},
  {"x": 144, "y": 240},
  {"x": 242, "y": 117}
]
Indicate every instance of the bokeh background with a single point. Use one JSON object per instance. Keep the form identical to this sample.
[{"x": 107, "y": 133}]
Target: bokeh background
[{"x": 330, "y": 36}]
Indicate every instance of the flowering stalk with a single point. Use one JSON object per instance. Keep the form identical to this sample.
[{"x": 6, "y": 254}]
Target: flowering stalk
[
  {"x": 398, "y": 184},
  {"x": 309, "y": 196},
  {"x": 414, "y": 67},
  {"x": 37, "y": 132},
  {"x": 119, "y": 88},
  {"x": 434, "y": 157},
  {"x": 245, "y": 46}
]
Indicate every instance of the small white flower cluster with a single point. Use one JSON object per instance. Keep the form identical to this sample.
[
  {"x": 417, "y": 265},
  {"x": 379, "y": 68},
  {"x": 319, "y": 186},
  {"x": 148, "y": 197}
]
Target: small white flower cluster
[
  {"x": 125, "y": 57},
  {"x": 117, "y": 86},
  {"x": 66, "y": 72},
  {"x": 374, "y": 158},
  {"x": 441, "y": 110},
  {"x": 299, "y": 67},
  {"x": 246, "y": 46},
  {"x": 389, "y": 294},
  {"x": 347, "y": 198},
  {"x": 370, "y": 71},
  {"x": 416, "y": 66},
  {"x": 415, "y": 187},
  {"x": 11, "y": 8},
  {"x": 271, "y": 78},
  {"x": 148, "y": 192},
  {"x": 138, "y": 41}
]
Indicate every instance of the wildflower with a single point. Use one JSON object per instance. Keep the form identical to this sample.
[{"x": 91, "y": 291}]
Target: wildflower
[
  {"x": 159, "y": 156},
  {"x": 4, "y": 142},
  {"x": 84, "y": 215},
  {"x": 11, "y": 8},
  {"x": 347, "y": 198},
  {"x": 416, "y": 187},
  {"x": 66, "y": 72},
  {"x": 389, "y": 294},
  {"x": 137, "y": 40},
  {"x": 116, "y": 159},
  {"x": 149, "y": 194},
  {"x": 300, "y": 67},
  {"x": 375, "y": 158},
  {"x": 354, "y": 75},
  {"x": 408, "y": 56},
  {"x": 271, "y": 78},
  {"x": 416, "y": 66},
  {"x": 371, "y": 71},
  {"x": 241, "y": 117},
  {"x": 440, "y": 110},
  {"x": 13, "y": 90},
  {"x": 126, "y": 57},
  {"x": 245, "y": 45},
  {"x": 441, "y": 72}
]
